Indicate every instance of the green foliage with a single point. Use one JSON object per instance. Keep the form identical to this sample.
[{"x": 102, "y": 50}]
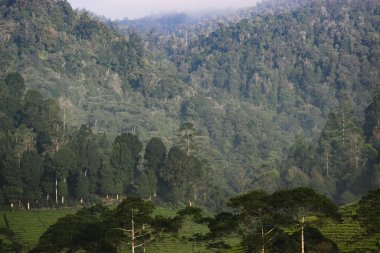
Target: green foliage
[
  {"x": 10, "y": 178},
  {"x": 248, "y": 93},
  {"x": 302, "y": 199},
  {"x": 180, "y": 173},
  {"x": 31, "y": 171},
  {"x": 348, "y": 234},
  {"x": 15, "y": 84},
  {"x": 98, "y": 229},
  {"x": 155, "y": 153},
  {"x": 251, "y": 204},
  {"x": 372, "y": 116},
  {"x": 28, "y": 226},
  {"x": 147, "y": 184},
  {"x": 282, "y": 242},
  {"x": 315, "y": 241},
  {"x": 84, "y": 230},
  {"x": 236, "y": 91},
  {"x": 8, "y": 242},
  {"x": 107, "y": 177},
  {"x": 125, "y": 156},
  {"x": 368, "y": 211},
  {"x": 257, "y": 217}
]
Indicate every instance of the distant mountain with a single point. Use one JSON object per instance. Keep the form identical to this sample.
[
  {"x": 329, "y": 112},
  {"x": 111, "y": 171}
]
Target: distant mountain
[
  {"x": 165, "y": 23},
  {"x": 171, "y": 23}
]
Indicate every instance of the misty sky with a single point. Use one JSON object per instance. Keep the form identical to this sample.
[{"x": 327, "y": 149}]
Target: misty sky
[{"x": 138, "y": 8}]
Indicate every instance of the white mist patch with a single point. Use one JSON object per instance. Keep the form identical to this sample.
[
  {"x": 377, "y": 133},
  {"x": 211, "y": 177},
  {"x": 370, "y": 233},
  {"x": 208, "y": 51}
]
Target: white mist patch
[{"x": 119, "y": 9}]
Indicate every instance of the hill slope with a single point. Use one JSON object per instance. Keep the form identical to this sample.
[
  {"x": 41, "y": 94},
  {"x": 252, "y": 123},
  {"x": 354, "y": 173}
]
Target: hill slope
[{"x": 250, "y": 87}]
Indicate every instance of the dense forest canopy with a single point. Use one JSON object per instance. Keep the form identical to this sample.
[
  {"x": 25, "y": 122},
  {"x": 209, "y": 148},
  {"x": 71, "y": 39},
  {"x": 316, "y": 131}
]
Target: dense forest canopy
[{"x": 278, "y": 96}]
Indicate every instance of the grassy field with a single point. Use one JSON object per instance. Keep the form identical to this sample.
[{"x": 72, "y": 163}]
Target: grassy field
[
  {"x": 349, "y": 235},
  {"x": 30, "y": 225}
]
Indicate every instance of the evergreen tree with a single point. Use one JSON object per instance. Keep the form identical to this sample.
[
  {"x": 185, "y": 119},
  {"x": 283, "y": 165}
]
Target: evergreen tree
[
  {"x": 187, "y": 138},
  {"x": 31, "y": 171},
  {"x": 155, "y": 153},
  {"x": 107, "y": 179},
  {"x": 80, "y": 187},
  {"x": 35, "y": 117},
  {"x": 147, "y": 184},
  {"x": 372, "y": 117},
  {"x": 15, "y": 84},
  {"x": 181, "y": 173},
  {"x": 10, "y": 178},
  {"x": 64, "y": 164},
  {"x": 89, "y": 156},
  {"x": 125, "y": 157}
]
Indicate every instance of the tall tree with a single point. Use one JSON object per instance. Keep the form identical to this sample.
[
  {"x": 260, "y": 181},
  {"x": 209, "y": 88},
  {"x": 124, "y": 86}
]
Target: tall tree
[
  {"x": 147, "y": 184},
  {"x": 63, "y": 165},
  {"x": 181, "y": 173},
  {"x": 89, "y": 156},
  {"x": 10, "y": 178},
  {"x": 125, "y": 157},
  {"x": 155, "y": 153},
  {"x": 372, "y": 117},
  {"x": 187, "y": 138},
  {"x": 301, "y": 203},
  {"x": 16, "y": 85},
  {"x": 35, "y": 117},
  {"x": 107, "y": 179},
  {"x": 31, "y": 171}
]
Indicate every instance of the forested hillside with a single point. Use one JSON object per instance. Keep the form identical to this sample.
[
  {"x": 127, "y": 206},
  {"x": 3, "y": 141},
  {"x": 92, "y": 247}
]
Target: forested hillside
[
  {"x": 259, "y": 83},
  {"x": 276, "y": 97},
  {"x": 42, "y": 163}
]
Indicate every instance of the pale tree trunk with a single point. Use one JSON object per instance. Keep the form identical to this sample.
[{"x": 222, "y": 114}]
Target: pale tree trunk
[
  {"x": 262, "y": 240},
  {"x": 188, "y": 145},
  {"x": 302, "y": 235},
  {"x": 133, "y": 235},
  {"x": 327, "y": 164},
  {"x": 343, "y": 127},
  {"x": 56, "y": 190},
  {"x": 64, "y": 120}
]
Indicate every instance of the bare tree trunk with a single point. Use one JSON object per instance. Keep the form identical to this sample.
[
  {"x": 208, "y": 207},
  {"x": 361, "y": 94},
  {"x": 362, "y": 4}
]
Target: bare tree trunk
[
  {"x": 64, "y": 120},
  {"x": 343, "y": 127},
  {"x": 262, "y": 240},
  {"x": 302, "y": 235},
  {"x": 133, "y": 235},
  {"x": 56, "y": 190},
  {"x": 188, "y": 145},
  {"x": 327, "y": 164}
]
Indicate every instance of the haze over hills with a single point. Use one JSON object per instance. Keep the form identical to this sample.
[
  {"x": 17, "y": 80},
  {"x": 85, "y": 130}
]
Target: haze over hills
[
  {"x": 136, "y": 9},
  {"x": 264, "y": 79}
]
